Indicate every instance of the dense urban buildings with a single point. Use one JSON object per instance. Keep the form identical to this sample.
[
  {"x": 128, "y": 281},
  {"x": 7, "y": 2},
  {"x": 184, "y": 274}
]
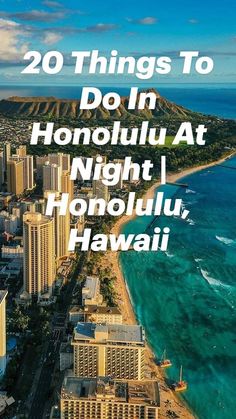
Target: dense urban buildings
[
  {"x": 101, "y": 345},
  {"x": 104, "y": 398},
  {"x": 3, "y": 295}
]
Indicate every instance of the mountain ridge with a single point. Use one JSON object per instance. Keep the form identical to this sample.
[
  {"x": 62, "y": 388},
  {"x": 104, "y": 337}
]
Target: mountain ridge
[{"x": 57, "y": 108}]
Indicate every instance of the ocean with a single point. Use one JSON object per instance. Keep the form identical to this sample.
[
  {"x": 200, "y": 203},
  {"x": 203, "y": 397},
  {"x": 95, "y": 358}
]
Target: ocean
[
  {"x": 186, "y": 297},
  {"x": 212, "y": 99}
]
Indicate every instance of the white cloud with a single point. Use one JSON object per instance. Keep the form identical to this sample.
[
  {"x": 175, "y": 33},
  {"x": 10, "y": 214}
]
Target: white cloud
[
  {"x": 193, "y": 21},
  {"x": 51, "y": 38},
  {"x": 149, "y": 20},
  {"x": 11, "y": 47}
]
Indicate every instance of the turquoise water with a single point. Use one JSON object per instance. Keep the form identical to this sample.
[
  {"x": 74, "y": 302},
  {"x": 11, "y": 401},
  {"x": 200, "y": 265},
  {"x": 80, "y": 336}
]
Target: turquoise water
[{"x": 186, "y": 298}]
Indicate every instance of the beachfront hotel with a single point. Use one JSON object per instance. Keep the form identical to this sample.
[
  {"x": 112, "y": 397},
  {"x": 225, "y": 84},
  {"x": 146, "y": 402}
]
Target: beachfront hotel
[
  {"x": 95, "y": 314},
  {"x": 109, "y": 350},
  {"x": 104, "y": 398},
  {"x": 3, "y": 295}
]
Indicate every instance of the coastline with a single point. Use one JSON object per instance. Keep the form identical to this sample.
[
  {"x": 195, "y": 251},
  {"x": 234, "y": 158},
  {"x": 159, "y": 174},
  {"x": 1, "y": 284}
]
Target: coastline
[{"x": 169, "y": 400}]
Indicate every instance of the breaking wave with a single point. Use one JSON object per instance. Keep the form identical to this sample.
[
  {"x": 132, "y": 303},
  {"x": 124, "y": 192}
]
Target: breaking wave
[
  {"x": 169, "y": 255},
  {"x": 191, "y": 222},
  {"x": 225, "y": 240},
  {"x": 190, "y": 191},
  {"x": 212, "y": 281}
]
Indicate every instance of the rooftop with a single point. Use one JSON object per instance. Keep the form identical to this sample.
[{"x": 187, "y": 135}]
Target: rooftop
[
  {"x": 138, "y": 392},
  {"x": 35, "y": 218},
  {"x": 109, "y": 333},
  {"x": 90, "y": 287}
]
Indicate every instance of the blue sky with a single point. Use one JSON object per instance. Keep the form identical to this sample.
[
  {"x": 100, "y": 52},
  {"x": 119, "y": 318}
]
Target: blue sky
[{"x": 147, "y": 27}]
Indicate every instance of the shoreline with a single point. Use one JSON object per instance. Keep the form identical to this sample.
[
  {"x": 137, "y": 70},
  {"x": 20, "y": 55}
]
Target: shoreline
[{"x": 169, "y": 399}]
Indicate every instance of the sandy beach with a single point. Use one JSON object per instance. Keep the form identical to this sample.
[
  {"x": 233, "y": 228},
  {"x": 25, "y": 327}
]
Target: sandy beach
[{"x": 169, "y": 400}]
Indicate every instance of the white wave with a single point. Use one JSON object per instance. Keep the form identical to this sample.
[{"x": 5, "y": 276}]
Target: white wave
[
  {"x": 225, "y": 240},
  {"x": 191, "y": 222},
  {"x": 169, "y": 255},
  {"x": 198, "y": 260},
  {"x": 212, "y": 281},
  {"x": 190, "y": 191}
]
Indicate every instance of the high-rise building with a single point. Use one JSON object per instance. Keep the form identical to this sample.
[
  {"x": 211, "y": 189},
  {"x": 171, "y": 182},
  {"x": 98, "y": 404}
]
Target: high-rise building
[
  {"x": 28, "y": 166},
  {"x": 40, "y": 162},
  {"x": 1, "y": 169},
  {"x": 15, "y": 176},
  {"x": 39, "y": 254},
  {"x": 3, "y": 295},
  {"x": 60, "y": 159},
  {"x": 6, "y": 154},
  {"x": 61, "y": 229},
  {"x": 105, "y": 398},
  {"x": 52, "y": 177},
  {"x": 21, "y": 151},
  {"x": 67, "y": 185},
  {"x": 100, "y": 190},
  {"x": 109, "y": 350}
]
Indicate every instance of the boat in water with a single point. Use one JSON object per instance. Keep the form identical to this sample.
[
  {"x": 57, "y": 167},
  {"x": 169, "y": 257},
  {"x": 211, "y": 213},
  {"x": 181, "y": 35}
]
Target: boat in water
[
  {"x": 164, "y": 362},
  {"x": 180, "y": 385}
]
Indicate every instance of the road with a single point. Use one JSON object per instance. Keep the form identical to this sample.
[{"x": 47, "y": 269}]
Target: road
[{"x": 42, "y": 391}]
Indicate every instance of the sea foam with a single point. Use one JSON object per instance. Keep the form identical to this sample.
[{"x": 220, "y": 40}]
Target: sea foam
[
  {"x": 225, "y": 240},
  {"x": 212, "y": 281},
  {"x": 190, "y": 191}
]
